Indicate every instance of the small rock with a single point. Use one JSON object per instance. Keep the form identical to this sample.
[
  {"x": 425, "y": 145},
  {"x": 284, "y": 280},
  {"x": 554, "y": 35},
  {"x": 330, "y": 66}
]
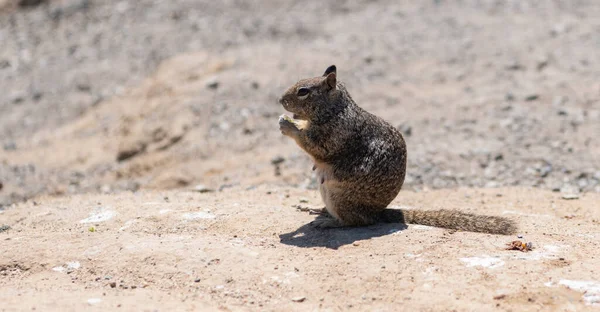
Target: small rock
[
  {"x": 545, "y": 171},
  {"x": 582, "y": 183},
  {"x": 405, "y": 129},
  {"x": 299, "y": 299},
  {"x": 105, "y": 189},
  {"x": 197, "y": 280},
  {"x": 225, "y": 186},
  {"x": 569, "y": 192},
  {"x": 4, "y": 64},
  {"x": 542, "y": 63},
  {"x": 532, "y": 97},
  {"x": 514, "y": 66},
  {"x": 558, "y": 101},
  {"x": 1, "y": 186},
  {"x": 560, "y": 29},
  {"x": 93, "y": 301},
  {"x": 83, "y": 87},
  {"x": 509, "y": 97},
  {"x": 113, "y": 284},
  {"x": 17, "y": 98},
  {"x": 81, "y": 82},
  {"x": 201, "y": 188},
  {"x": 212, "y": 84},
  {"x": 4, "y": 228},
  {"x": 129, "y": 149},
  {"x": 36, "y": 95},
  {"x": 255, "y": 85},
  {"x": 277, "y": 160}
]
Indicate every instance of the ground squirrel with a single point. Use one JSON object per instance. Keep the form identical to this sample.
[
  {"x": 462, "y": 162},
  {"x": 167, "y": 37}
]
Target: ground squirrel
[{"x": 360, "y": 160}]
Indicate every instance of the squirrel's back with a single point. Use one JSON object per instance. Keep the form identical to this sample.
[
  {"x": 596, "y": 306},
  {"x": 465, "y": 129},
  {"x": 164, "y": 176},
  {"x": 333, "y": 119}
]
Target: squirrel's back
[{"x": 372, "y": 159}]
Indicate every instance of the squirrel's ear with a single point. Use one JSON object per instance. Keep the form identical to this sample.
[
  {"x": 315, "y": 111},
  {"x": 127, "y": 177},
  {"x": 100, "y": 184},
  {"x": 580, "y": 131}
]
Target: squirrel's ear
[
  {"x": 331, "y": 80},
  {"x": 329, "y": 70}
]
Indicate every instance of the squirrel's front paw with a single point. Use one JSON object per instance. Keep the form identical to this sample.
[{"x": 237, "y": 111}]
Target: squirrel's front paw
[{"x": 287, "y": 125}]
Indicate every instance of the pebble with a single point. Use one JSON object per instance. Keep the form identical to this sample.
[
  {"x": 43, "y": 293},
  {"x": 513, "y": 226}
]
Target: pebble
[
  {"x": 277, "y": 160},
  {"x": 532, "y": 97},
  {"x": 299, "y": 299},
  {"x": 514, "y": 65},
  {"x": 4, "y": 64},
  {"x": 93, "y": 301},
  {"x": 569, "y": 192},
  {"x": 545, "y": 171},
  {"x": 570, "y": 196},
  {"x": 17, "y": 98},
  {"x": 405, "y": 129},
  {"x": 542, "y": 63},
  {"x": 4, "y": 228},
  {"x": 212, "y": 84},
  {"x": 130, "y": 149},
  {"x": 201, "y": 188}
]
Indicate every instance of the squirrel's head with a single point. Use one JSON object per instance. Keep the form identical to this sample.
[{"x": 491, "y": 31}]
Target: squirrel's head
[{"x": 308, "y": 96}]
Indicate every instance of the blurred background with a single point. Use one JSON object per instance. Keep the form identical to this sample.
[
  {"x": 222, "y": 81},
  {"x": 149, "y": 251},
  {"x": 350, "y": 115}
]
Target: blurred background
[{"x": 108, "y": 96}]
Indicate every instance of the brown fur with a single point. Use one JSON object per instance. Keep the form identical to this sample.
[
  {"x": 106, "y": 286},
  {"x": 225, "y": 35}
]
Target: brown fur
[{"x": 360, "y": 160}]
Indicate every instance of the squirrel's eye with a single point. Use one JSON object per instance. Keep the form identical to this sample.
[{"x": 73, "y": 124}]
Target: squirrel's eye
[{"x": 303, "y": 91}]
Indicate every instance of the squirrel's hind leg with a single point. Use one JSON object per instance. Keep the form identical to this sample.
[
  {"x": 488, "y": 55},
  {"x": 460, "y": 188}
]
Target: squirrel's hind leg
[
  {"x": 326, "y": 222},
  {"x": 356, "y": 215},
  {"x": 344, "y": 210}
]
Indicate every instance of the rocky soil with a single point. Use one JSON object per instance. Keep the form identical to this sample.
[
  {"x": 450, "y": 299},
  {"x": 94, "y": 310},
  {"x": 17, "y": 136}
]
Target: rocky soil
[{"x": 487, "y": 93}]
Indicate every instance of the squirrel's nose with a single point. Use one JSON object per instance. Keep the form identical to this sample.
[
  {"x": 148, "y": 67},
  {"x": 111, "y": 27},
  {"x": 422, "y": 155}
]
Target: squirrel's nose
[{"x": 280, "y": 100}]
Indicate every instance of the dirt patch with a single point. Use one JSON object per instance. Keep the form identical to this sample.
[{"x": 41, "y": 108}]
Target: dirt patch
[{"x": 245, "y": 250}]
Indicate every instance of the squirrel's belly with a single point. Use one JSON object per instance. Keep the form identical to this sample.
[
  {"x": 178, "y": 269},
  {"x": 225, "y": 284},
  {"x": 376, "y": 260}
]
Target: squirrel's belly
[{"x": 323, "y": 171}]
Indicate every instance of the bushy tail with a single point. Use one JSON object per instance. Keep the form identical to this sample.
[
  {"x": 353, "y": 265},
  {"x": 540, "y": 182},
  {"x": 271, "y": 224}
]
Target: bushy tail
[{"x": 452, "y": 219}]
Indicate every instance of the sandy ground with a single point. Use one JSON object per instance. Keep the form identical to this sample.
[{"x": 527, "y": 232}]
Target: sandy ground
[
  {"x": 118, "y": 110},
  {"x": 251, "y": 250}
]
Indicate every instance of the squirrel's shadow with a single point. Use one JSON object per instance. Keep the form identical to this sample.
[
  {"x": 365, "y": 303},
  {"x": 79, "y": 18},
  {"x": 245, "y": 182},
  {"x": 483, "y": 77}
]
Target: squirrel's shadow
[{"x": 308, "y": 236}]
